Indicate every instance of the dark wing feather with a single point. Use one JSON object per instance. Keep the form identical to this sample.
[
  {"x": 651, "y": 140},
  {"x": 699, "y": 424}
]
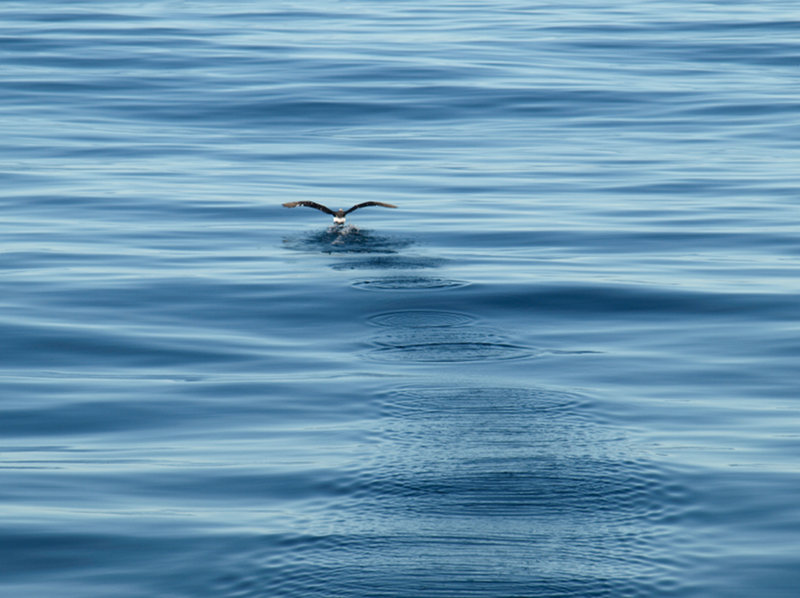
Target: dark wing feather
[
  {"x": 309, "y": 204},
  {"x": 370, "y": 203}
]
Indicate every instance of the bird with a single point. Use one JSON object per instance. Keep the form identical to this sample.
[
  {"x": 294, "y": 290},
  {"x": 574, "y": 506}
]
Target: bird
[{"x": 339, "y": 215}]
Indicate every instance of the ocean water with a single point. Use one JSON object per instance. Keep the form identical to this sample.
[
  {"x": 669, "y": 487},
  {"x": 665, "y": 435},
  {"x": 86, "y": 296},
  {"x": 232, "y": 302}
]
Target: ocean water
[{"x": 565, "y": 366}]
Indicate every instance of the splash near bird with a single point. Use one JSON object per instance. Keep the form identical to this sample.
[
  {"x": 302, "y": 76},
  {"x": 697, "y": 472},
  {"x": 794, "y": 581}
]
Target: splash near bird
[{"x": 339, "y": 215}]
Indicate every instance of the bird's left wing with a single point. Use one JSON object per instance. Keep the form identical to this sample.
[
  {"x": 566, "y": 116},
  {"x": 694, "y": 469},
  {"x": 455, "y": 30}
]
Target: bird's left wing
[{"x": 309, "y": 204}]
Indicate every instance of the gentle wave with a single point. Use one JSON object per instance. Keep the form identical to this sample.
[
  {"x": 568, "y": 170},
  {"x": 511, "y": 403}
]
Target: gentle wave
[{"x": 536, "y": 377}]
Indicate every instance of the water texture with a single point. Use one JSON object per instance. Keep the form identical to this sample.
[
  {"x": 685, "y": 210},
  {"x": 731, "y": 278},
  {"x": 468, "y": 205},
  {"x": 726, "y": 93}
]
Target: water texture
[{"x": 566, "y": 365}]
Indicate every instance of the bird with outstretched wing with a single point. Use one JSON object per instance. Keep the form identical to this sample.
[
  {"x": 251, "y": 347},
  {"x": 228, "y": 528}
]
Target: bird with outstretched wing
[{"x": 339, "y": 215}]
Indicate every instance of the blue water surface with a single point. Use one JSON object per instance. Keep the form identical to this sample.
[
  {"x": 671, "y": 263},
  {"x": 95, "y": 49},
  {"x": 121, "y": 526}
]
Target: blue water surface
[{"x": 565, "y": 366}]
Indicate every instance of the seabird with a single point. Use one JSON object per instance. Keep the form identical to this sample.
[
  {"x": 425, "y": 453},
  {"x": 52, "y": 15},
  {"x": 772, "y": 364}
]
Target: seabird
[{"x": 338, "y": 216}]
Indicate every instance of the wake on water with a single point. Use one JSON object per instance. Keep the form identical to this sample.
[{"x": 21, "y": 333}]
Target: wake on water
[{"x": 346, "y": 239}]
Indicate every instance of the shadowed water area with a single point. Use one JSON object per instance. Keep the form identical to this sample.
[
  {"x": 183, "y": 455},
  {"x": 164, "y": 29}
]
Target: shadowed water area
[{"x": 565, "y": 366}]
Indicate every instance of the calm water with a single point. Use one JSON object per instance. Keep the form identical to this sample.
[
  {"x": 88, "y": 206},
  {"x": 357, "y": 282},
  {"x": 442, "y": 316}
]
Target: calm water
[{"x": 566, "y": 366}]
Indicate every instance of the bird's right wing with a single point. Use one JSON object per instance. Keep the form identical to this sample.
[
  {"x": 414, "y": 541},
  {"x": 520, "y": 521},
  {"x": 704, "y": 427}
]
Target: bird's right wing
[
  {"x": 309, "y": 204},
  {"x": 370, "y": 203}
]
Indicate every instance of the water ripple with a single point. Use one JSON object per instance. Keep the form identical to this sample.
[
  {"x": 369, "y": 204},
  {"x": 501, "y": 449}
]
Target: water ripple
[
  {"x": 445, "y": 344},
  {"x": 409, "y": 283},
  {"x": 421, "y": 319}
]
